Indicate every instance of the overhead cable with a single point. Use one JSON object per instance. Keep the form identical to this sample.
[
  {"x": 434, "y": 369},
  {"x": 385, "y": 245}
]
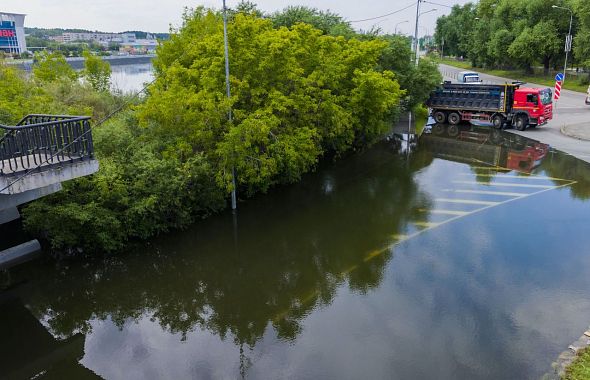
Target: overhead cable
[{"x": 385, "y": 15}]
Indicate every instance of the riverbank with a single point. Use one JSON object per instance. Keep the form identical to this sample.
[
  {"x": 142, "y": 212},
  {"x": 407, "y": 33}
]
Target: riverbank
[
  {"x": 77, "y": 63},
  {"x": 549, "y": 81}
]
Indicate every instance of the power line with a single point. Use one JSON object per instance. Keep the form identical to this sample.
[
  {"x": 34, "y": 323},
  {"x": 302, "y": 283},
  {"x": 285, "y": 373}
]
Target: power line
[
  {"x": 385, "y": 15},
  {"x": 441, "y": 5}
]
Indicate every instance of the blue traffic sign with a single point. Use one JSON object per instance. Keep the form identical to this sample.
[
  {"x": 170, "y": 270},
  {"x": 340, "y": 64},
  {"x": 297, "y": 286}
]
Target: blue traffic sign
[{"x": 559, "y": 77}]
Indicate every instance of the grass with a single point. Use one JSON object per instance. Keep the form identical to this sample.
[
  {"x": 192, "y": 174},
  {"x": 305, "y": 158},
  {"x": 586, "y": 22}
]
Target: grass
[
  {"x": 580, "y": 368},
  {"x": 549, "y": 80}
]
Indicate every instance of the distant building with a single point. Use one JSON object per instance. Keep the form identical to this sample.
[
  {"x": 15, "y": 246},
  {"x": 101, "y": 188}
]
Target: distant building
[
  {"x": 12, "y": 33},
  {"x": 139, "y": 46},
  {"x": 102, "y": 38}
]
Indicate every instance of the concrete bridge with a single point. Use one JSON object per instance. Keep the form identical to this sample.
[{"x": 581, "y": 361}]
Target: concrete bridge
[{"x": 36, "y": 156}]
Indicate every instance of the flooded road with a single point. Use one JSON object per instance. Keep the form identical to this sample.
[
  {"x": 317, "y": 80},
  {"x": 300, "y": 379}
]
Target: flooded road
[{"x": 462, "y": 255}]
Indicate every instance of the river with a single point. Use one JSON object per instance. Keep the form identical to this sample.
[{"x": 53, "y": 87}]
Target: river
[
  {"x": 464, "y": 255},
  {"x": 131, "y": 78}
]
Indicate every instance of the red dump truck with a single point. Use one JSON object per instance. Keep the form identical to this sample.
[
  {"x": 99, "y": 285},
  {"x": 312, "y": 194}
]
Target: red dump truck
[{"x": 499, "y": 104}]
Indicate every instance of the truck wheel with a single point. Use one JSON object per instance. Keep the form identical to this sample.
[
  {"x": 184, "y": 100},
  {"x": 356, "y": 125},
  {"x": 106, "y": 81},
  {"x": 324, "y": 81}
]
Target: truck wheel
[
  {"x": 498, "y": 121},
  {"x": 440, "y": 117},
  {"x": 454, "y": 118},
  {"x": 521, "y": 122},
  {"x": 453, "y": 131}
]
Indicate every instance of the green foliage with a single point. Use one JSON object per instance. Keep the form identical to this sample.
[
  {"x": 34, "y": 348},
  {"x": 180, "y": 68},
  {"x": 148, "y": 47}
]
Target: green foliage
[
  {"x": 296, "y": 94},
  {"x": 17, "y": 95},
  {"x": 52, "y": 67},
  {"x": 512, "y": 33},
  {"x": 532, "y": 43},
  {"x": 137, "y": 193},
  {"x": 97, "y": 72},
  {"x": 580, "y": 368},
  {"x": 326, "y": 21}
]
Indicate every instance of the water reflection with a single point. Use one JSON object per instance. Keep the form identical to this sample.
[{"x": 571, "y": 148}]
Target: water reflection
[
  {"x": 485, "y": 145},
  {"x": 363, "y": 269}
]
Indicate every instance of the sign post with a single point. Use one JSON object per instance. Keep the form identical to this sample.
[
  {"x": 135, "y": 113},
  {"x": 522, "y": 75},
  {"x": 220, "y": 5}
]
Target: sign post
[{"x": 558, "y": 82}]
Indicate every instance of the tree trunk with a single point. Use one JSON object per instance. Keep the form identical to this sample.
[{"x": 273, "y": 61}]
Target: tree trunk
[{"x": 546, "y": 62}]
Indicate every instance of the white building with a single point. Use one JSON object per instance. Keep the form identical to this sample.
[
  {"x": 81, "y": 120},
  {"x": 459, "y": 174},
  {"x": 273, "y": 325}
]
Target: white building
[
  {"x": 12, "y": 33},
  {"x": 104, "y": 38}
]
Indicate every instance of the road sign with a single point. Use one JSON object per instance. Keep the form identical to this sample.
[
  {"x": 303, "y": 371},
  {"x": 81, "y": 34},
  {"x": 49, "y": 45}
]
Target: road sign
[
  {"x": 568, "y": 43},
  {"x": 559, "y": 77},
  {"x": 557, "y": 90}
]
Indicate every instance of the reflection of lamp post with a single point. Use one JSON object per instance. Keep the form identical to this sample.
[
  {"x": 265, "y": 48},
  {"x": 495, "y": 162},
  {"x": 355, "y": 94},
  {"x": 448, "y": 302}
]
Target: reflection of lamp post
[
  {"x": 401, "y": 22},
  {"x": 229, "y": 116},
  {"x": 418, "y": 14},
  {"x": 568, "y": 38}
]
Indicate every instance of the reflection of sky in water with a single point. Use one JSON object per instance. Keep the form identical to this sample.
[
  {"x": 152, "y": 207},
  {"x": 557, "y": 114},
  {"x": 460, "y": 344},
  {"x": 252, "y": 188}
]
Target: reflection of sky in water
[
  {"x": 299, "y": 274},
  {"x": 131, "y": 78},
  {"x": 473, "y": 299}
]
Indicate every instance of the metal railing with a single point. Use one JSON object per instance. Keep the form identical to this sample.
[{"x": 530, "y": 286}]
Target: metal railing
[{"x": 39, "y": 142}]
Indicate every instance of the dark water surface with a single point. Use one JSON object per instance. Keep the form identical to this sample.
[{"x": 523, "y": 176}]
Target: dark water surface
[{"x": 424, "y": 263}]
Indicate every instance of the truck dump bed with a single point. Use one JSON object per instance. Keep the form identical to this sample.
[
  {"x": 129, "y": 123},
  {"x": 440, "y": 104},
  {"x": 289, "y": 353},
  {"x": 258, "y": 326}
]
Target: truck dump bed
[{"x": 469, "y": 97}]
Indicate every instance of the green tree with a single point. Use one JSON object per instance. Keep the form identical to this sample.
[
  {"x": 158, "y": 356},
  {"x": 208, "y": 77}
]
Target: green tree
[
  {"x": 51, "y": 67},
  {"x": 582, "y": 40},
  {"x": 326, "y": 21},
  {"x": 97, "y": 72},
  {"x": 540, "y": 41}
]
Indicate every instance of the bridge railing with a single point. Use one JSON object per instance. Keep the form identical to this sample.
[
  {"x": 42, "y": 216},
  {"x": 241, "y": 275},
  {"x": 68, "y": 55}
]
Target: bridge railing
[{"x": 39, "y": 142}]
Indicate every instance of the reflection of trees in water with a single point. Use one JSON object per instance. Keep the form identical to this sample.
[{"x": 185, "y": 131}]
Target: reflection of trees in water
[
  {"x": 294, "y": 248},
  {"x": 560, "y": 165}
]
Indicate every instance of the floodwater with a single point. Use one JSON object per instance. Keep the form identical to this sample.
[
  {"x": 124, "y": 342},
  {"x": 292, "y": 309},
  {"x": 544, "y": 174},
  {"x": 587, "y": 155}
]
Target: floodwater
[
  {"x": 131, "y": 78},
  {"x": 462, "y": 255}
]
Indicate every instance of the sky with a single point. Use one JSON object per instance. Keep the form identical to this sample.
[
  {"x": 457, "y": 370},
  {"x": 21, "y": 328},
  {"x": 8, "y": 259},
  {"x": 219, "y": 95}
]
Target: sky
[{"x": 157, "y": 16}]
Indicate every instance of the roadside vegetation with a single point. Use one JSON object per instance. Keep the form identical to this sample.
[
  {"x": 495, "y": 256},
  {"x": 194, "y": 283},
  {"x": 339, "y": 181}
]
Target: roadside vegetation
[
  {"x": 511, "y": 38},
  {"x": 580, "y": 368},
  {"x": 305, "y": 87}
]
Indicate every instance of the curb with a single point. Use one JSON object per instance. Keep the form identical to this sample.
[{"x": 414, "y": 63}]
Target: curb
[{"x": 563, "y": 130}]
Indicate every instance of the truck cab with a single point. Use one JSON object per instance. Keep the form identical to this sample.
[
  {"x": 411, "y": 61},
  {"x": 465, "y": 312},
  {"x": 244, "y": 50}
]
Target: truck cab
[
  {"x": 468, "y": 77},
  {"x": 533, "y": 105}
]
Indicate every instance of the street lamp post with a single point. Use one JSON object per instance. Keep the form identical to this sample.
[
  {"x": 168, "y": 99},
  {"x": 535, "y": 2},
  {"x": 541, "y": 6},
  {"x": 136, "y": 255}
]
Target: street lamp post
[
  {"x": 227, "y": 87},
  {"x": 395, "y": 28},
  {"x": 568, "y": 38},
  {"x": 418, "y": 14}
]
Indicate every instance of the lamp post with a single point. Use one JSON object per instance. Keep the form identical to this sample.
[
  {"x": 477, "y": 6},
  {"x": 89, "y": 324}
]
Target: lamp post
[
  {"x": 395, "y": 28},
  {"x": 418, "y": 14},
  {"x": 227, "y": 87},
  {"x": 568, "y": 38}
]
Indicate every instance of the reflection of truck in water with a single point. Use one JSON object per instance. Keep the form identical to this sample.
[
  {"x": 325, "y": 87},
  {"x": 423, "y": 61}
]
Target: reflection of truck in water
[
  {"x": 469, "y": 77},
  {"x": 472, "y": 144},
  {"x": 498, "y": 104}
]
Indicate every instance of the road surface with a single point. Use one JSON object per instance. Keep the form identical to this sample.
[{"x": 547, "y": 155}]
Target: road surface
[{"x": 569, "y": 110}]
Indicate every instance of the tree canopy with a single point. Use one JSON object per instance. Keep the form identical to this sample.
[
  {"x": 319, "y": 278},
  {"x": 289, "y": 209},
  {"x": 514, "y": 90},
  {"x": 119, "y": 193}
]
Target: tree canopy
[{"x": 501, "y": 33}]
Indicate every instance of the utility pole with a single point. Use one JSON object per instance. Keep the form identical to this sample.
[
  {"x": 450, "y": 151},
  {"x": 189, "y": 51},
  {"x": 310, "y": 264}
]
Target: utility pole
[
  {"x": 229, "y": 115},
  {"x": 416, "y": 32},
  {"x": 568, "y": 38}
]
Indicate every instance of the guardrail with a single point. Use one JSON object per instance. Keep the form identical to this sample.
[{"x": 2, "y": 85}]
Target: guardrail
[{"x": 39, "y": 142}]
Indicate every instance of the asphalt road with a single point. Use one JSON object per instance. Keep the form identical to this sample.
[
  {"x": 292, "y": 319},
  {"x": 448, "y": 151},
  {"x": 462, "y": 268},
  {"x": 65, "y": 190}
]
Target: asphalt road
[{"x": 568, "y": 110}]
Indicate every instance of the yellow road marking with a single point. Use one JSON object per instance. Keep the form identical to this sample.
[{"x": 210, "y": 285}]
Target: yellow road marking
[
  {"x": 485, "y": 192},
  {"x": 525, "y": 176},
  {"x": 426, "y": 224},
  {"x": 466, "y": 201},
  {"x": 352, "y": 268},
  {"x": 446, "y": 212},
  {"x": 376, "y": 253},
  {"x": 399, "y": 237},
  {"x": 491, "y": 168},
  {"x": 371, "y": 255},
  {"x": 506, "y": 184}
]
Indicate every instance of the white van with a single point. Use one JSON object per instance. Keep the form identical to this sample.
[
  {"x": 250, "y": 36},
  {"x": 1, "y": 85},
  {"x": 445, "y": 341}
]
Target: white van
[
  {"x": 469, "y": 77},
  {"x": 588, "y": 97}
]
